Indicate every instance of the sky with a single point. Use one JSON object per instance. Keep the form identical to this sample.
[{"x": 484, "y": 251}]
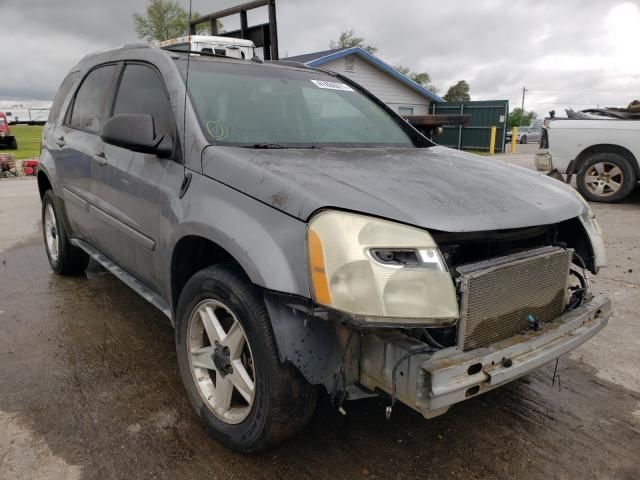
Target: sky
[{"x": 569, "y": 54}]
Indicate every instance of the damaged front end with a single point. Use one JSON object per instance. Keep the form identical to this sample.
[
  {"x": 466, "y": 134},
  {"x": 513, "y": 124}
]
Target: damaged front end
[{"x": 434, "y": 318}]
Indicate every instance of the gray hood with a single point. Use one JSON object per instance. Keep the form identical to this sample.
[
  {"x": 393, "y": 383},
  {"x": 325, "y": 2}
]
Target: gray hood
[{"x": 435, "y": 188}]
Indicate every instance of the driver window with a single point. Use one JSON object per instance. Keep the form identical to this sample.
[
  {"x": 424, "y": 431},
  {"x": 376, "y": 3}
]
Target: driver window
[{"x": 142, "y": 91}]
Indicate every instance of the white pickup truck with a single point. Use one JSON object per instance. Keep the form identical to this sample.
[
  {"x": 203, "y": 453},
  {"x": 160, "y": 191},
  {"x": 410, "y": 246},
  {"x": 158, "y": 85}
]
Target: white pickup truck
[{"x": 603, "y": 152}]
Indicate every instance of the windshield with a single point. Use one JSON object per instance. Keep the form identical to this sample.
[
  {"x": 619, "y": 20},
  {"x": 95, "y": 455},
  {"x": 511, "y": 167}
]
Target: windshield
[{"x": 255, "y": 105}]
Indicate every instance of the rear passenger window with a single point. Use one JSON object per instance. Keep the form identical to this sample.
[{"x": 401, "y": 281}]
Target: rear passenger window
[
  {"x": 142, "y": 91},
  {"x": 89, "y": 106},
  {"x": 61, "y": 96}
]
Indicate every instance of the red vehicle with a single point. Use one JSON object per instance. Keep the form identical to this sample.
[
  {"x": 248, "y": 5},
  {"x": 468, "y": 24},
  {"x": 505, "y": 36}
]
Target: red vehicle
[{"x": 6, "y": 139}]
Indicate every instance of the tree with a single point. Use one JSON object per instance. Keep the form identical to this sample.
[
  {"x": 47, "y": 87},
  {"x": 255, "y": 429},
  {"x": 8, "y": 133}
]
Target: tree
[
  {"x": 165, "y": 19},
  {"x": 421, "y": 78},
  {"x": 458, "y": 92},
  {"x": 519, "y": 119},
  {"x": 348, "y": 39}
]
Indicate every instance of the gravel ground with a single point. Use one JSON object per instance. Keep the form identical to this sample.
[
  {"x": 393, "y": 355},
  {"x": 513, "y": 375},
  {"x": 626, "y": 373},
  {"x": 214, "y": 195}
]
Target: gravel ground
[{"x": 90, "y": 389}]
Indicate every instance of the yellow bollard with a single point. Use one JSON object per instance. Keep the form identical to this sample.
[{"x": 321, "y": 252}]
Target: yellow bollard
[
  {"x": 514, "y": 135},
  {"x": 492, "y": 142}
]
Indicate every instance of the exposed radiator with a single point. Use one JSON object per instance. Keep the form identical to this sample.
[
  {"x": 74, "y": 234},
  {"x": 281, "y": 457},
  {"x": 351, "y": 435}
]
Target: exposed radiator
[{"x": 499, "y": 296}]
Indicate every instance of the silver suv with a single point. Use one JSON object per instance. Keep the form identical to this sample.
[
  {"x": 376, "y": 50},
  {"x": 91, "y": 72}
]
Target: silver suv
[{"x": 302, "y": 237}]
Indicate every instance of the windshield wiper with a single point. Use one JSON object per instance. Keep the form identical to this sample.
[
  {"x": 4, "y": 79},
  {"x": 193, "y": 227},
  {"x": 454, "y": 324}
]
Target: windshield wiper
[{"x": 265, "y": 146}]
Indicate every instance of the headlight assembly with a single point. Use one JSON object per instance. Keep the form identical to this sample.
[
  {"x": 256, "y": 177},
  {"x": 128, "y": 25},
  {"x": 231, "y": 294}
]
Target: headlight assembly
[{"x": 378, "y": 271}]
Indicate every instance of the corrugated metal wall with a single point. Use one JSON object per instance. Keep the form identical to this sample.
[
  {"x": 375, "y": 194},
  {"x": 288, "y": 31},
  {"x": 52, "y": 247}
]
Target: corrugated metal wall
[{"x": 477, "y": 134}]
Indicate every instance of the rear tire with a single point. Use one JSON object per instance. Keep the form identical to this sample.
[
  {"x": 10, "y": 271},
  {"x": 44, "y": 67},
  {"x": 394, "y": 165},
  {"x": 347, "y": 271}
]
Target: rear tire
[
  {"x": 64, "y": 258},
  {"x": 269, "y": 400},
  {"x": 13, "y": 144},
  {"x": 523, "y": 140},
  {"x": 606, "y": 177}
]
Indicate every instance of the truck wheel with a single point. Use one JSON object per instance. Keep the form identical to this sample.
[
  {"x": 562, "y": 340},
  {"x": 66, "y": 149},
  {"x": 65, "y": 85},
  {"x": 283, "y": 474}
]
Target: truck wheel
[
  {"x": 230, "y": 367},
  {"x": 523, "y": 139},
  {"x": 64, "y": 258},
  {"x": 13, "y": 144},
  {"x": 606, "y": 177}
]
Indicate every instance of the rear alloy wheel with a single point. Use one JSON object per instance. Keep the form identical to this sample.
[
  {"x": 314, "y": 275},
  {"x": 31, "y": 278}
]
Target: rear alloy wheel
[
  {"x": 51, "y": 237},
  {"x": 64, "y": 258},
  {"x": 245, "y": 396},
  {"x": 606, "y": 177}
]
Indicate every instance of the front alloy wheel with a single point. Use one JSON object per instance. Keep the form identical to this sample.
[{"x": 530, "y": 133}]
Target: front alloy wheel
[
  {"x": 221, "y": 361},
  {"x": 230, "y": 366}
]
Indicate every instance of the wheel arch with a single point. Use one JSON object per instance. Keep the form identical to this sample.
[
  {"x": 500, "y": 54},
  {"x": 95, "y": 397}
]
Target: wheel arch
[
  {"x": 605, "y": 148},
  {"x": 192, "y": 253},
  {"x": 44, "y": 183}
]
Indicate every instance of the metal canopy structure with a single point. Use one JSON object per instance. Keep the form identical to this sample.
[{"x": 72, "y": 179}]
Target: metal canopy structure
[{"x": 263, "y": 36}]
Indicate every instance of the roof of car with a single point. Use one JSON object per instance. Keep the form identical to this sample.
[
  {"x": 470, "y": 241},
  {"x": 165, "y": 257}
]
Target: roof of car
[{"x": 147, "y": 50}]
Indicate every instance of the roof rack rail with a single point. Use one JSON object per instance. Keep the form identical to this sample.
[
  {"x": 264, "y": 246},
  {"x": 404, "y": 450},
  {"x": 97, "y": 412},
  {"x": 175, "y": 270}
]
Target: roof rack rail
[
  {"x": 178, "y": 49},
  {"x": 129, "y": 46},
  {"x": 289, "y": 63}
]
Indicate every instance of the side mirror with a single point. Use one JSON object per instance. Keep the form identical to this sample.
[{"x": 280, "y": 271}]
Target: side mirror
[{"x": 136, "y": 132}]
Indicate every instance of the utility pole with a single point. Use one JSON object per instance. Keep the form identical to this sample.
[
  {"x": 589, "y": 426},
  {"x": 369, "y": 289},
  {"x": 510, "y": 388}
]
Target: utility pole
[{"x": 524, "y": 90}]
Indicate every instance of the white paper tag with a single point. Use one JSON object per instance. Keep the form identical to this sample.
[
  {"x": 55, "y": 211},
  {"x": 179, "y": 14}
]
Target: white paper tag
[{"x": 332, "y": 85}]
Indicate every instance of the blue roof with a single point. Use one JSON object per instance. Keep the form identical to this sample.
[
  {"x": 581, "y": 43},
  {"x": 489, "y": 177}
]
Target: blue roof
[
  {"x": 317, "y": 59},
  {"x": 308, "y": 57}
]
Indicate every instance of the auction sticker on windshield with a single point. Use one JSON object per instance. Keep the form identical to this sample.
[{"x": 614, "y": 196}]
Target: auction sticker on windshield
[{"x": 332, "y": 85}]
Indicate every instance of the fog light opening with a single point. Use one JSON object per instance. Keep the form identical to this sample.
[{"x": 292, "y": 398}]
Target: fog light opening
[
  {"x": 475, "y": 368},
  {"x": 472, "y": 391}
]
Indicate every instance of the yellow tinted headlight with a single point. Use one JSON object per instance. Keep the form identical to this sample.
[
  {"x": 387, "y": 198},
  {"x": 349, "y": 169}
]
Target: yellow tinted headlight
[{"x": 378, "y": 270}]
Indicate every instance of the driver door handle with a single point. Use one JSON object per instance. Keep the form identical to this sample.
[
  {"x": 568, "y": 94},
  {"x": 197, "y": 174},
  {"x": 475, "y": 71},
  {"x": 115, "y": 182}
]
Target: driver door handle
[{"x": 101, "y": 159}]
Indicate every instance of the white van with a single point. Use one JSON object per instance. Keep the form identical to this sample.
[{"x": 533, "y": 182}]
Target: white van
[{"x": 226, "y": 46}]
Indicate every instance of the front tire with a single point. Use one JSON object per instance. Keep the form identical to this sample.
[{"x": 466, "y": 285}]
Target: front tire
[
  {"x": 523, "y": 140},
  {"x": 606, "y": 177},
  {"x": 229, "y": 363},
  {"x": 64, "y": 258}
]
